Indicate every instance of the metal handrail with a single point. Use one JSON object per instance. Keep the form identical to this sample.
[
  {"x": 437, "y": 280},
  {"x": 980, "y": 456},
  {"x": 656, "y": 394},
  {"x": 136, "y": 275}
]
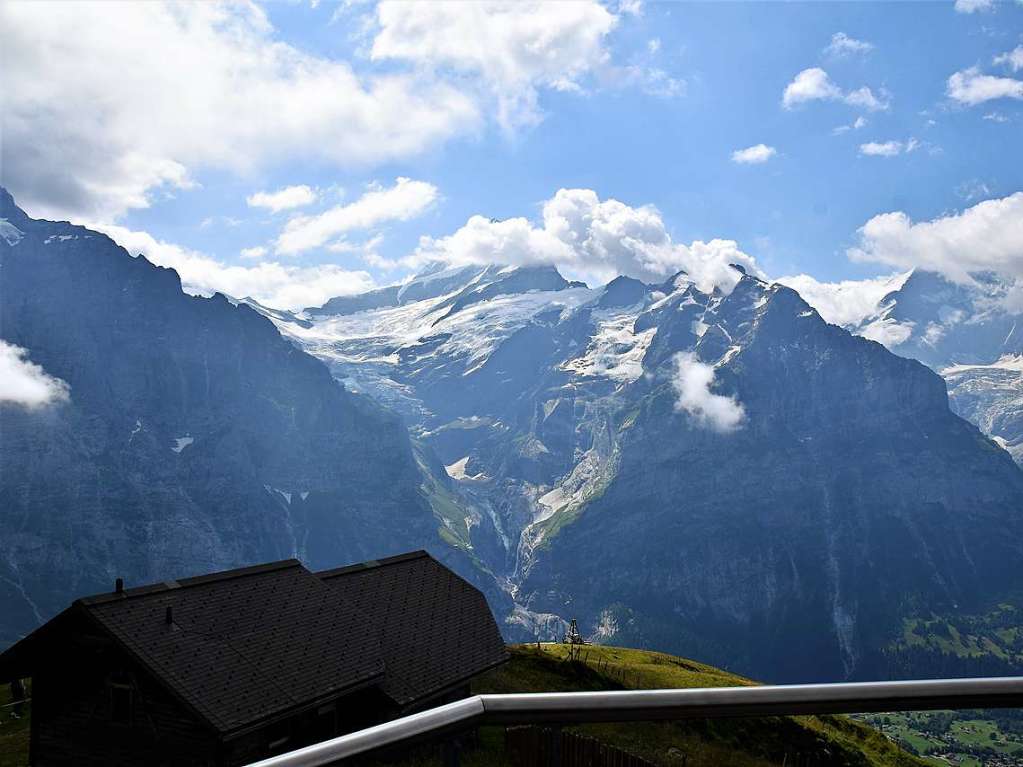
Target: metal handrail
[{"x": 641, "y": 705}]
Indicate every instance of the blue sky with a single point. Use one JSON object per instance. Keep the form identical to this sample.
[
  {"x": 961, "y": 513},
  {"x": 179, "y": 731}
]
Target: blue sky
[{"x": 643, "y": 103}]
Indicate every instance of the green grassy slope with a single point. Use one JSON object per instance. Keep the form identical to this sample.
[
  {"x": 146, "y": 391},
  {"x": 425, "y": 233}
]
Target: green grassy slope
[{"x": 737, "y": 742}]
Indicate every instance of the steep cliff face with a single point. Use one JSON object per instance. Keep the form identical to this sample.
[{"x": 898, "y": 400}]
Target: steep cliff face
[
  {"x": 725, "y": 476},
  {"x": 792, "y": 545},
  {"x": 194, "y": 438}
]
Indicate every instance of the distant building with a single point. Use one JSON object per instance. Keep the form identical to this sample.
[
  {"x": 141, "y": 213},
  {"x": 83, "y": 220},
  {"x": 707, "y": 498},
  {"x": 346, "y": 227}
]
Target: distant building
[{"x": 229, "y": 668}]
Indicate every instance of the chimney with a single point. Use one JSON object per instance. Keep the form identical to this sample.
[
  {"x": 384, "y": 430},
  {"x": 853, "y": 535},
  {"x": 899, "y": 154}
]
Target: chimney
[
  {"x": 168, "y": 617},
  {"x": 119, "y": 586}
]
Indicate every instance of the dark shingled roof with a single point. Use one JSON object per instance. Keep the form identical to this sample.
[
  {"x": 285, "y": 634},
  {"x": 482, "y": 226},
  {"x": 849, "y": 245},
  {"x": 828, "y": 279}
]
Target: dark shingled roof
[
  {"x": 435, "y": 628},
  {"x": 250, "y": 644},
  {"x": 244, "y": 644}
]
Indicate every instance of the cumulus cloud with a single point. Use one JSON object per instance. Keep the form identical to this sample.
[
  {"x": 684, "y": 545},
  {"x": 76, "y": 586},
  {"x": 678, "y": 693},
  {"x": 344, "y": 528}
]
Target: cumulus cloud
[
  {"x": 971, "y": 87},
  {"x": 25, "y": 384},
  {"x": 753, "y": 155},
  {"x": 692, "y": 382},
  {"x": 843, "y": 45},
  {"x": 282, "y": 286},
  {"x": 814, "y": 84},
  {"x": 590, "y": 239},
  {"x": 985, "y": 237},
  {"x": 283, "y": 199},
  {"x": 972, "y": 6},
  {"x": 889, "y": 148},
  {"x": 847, "y": 303},
  {"x": 1012, "y": 59},
  {"x": 93, "y": 127},
  {"x": 405, "y": 200},
  {"x": 512, "y": 48}
]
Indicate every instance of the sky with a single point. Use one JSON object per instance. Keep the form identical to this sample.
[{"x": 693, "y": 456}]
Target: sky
[{"x": 293, "y": 151}]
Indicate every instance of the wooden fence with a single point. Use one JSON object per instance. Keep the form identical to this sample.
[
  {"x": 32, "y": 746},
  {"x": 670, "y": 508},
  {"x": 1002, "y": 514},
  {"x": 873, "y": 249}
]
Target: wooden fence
[{"x": 546, "y": 747}]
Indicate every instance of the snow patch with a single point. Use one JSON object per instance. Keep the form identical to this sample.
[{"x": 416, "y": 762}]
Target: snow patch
[
  {"x": 180, "y": 443},
  {"x": 10, "y": 232},
  {"x": 457, "y": 471},
  {"x": 615, "y": 351}
]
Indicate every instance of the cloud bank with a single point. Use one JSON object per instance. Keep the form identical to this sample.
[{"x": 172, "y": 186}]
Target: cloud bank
[
  {"x": 25, "y": 384},
  {"x": 512, "y": 49},
  {"x": 589, "y": 239},
  {"x": 92, "y": 128},
  {"x": 985, "y": 237},
  {"x": 692, "y": 382},
  {"x": 847, "y": 303}
]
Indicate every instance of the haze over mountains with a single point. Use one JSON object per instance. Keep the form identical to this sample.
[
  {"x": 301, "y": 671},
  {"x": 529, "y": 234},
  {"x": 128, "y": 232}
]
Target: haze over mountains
[{"x": 716, "y": 473}]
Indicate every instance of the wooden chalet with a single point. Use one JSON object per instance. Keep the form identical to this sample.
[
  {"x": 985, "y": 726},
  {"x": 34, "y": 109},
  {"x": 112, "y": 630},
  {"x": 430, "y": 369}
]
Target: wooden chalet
[{"x": 229, "y": 668}]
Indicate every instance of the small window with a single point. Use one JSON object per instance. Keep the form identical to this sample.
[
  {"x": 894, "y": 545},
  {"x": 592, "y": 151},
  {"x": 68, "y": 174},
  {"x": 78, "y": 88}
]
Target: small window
[{"x": 121, "y": 703}]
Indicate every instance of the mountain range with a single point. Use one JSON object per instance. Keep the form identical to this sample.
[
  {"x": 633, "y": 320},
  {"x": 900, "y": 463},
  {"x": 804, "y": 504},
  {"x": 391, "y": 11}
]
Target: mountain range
[
  {"x": 718, "y": 474},
  {"x": 194, "y": 438}
]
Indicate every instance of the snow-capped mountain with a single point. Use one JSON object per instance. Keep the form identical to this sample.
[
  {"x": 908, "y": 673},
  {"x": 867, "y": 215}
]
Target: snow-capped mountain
[
  {"x": 722, "y": 474},
  {"x": 968, "y": 335}
]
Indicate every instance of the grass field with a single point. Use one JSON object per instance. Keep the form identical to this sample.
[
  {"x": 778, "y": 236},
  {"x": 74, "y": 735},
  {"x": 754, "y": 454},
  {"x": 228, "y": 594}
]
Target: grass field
[
  {"x": 962, "y": 735},
  {"x": 700, "y": 743}
]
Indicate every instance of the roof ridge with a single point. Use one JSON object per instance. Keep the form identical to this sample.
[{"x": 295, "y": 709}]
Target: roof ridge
[
  {"x": 195, "y": 580},
  {"x": 373, "y": 563}
]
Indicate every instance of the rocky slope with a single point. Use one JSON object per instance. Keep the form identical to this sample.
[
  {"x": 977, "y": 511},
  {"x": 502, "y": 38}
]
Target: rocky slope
[
  {"x": 195, "y": 438},
  {"x": 723, "y": 475}
]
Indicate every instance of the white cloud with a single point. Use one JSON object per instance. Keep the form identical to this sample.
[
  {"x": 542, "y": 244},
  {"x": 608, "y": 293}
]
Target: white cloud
[
  {"x": 253, "y": 253},
  {"x": 282, "y": 286},
  {"x": 590, "y": 239},
  {"x": 889, "y": 148},
  {"x": 692, "y": 382},
  {"x": 401, "y": 202},
  {"x": 887, "y": 331},
  {"x": 972, "y": 6},
  {"x": 1012, "y": 59},
  {"x": 283, "y": 199},
  {"x": 864, "y": 98},
  {"x": 970, "y": 87},
  {"x": 26, "y": 384},
  {"x": 843, "y": 45},
  {"x": 985, "y": 237},
  {"x": 847, "y": 303},
  {"x": 753, "y": 155},
  {"x": 513, "y": 48},
  {"x": 857, "y": 124},
  {"x": 93, "y": 127},
  {"x": 814, "y": 84}
]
